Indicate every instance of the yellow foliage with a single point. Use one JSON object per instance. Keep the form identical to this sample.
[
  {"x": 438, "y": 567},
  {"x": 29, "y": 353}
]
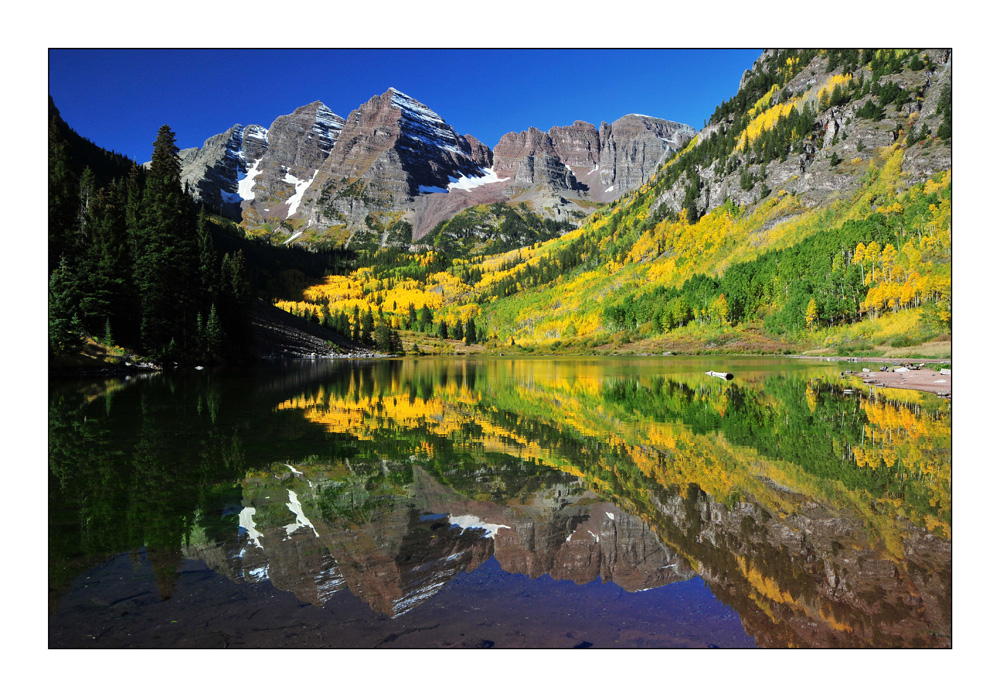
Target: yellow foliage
[
  {"x": 764, "y": 101},
  {"x": 768, "y": 119}
]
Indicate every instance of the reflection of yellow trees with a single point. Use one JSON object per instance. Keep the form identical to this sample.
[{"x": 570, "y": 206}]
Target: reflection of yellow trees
[
  {"x": 768, "y": 590},
  {"x": 532, "y": 409},
  {"x": 635, "y": 455},
  {"x": 909, "y": 445},
  {"x": 903, "y": 440},
  {"x": 811, "y": 397},
  {"x": 767, "y": 587},
  {"x": 368, "y": 414}
]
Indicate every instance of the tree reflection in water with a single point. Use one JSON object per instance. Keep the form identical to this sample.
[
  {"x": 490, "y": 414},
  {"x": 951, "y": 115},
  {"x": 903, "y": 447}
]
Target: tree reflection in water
[{"x": 822, "y": 518}]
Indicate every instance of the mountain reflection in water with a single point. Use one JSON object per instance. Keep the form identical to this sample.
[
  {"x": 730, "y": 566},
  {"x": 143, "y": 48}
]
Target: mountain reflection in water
[{"x": 821, "y": 517}]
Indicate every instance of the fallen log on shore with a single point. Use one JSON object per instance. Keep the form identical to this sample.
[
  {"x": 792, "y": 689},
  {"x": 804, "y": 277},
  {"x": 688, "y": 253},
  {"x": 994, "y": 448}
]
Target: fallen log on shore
[{"x": 724, "y": 376}]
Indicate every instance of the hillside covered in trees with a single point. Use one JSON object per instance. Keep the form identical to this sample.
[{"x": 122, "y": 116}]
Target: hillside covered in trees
[{"x": 813, "y": 212}]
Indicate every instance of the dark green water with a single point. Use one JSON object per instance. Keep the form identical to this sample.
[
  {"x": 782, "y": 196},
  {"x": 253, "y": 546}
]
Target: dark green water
[{"x": 499, "y": 503}]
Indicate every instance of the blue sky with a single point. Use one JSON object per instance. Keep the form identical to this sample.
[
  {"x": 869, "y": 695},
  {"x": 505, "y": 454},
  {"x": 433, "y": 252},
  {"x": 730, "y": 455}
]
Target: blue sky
[{"x": 119, "y": 98}]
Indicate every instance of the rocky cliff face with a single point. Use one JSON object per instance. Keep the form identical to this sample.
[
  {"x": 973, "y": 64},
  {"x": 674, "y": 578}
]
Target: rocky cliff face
[
  {"x": 833, "y": 158},
  {"x": 837, "y": 589},
  {"x": 213, "y": 171},
  {"x": 391, "y": 150},
  {"x": 810, "y": 578},
  {"x": 394, "y": 157},
  {"x": 581, "y": 160},
  {"x": 297, "y": 145},
  {"x": 634, "y": 147},
  {"x": 529, "y": 158}
]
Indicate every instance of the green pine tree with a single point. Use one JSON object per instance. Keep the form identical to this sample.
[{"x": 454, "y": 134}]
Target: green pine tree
[
  {"x": 63, "y": 193},
  {"x": 470, "y": 332},
  {"x": 166, "y": 254},
  {"x": 65, "y": 327},
  {"x": 367, "y": 327}
]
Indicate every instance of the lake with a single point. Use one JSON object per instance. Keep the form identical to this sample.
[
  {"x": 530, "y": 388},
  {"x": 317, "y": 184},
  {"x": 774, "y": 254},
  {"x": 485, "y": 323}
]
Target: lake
[{"x": 496, "y": 502}]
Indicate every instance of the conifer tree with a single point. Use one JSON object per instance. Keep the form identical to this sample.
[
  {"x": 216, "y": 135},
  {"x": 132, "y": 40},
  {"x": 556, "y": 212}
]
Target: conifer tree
[
  {"x": 65, "y": 327},
  {"x": 105, "y": 268},
  {"x": 208, "y": 263},
  {"x": 63, "y": 192},
  {"x": 214, "y": 335},
  {"x": 470, "y": 332},
  {"x": 166, "y": 256},
  {"x": 367, "y": 327},
  {"x": 356, "y": 327},
  {"x": 383, "y": 338}
]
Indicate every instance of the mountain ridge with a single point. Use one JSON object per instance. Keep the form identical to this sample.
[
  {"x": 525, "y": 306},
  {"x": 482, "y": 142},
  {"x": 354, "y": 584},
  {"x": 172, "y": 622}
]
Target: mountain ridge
[
  {"x": 404, "y": 153},
  {"x": 815, "y": 198}
]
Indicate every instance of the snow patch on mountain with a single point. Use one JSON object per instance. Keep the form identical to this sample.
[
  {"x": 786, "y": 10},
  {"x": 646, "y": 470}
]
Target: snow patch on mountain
[
  {"x": 300, "y": 188},
  {"x": 291, "y": 239},
  {"x": 244, "y": 186},
  {"x": 467, "y": 183}
]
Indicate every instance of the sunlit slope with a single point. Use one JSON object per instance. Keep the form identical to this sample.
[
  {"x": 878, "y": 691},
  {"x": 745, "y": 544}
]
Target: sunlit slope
[{"x": 816, "y": 200}]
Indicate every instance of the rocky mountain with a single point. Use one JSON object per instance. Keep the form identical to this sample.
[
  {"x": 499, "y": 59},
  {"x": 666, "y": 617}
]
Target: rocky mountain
[
  {"x": 214, "y": 171},
  {"x": 904, "y": 100},
  {"x": 261, "y": 173},
  {"x": 395, "y": 160},
  {"x": 298, "y": 143},
  {"x": 393, "y": 149},
  {"x": 603, "y": 163}
]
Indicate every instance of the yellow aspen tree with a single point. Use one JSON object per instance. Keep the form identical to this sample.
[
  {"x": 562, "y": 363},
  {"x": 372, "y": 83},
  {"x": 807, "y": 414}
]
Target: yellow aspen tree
[
  {"x": 720, "y": 309},
  {"x": 888, "y": 260},
  {"x": 859, "y": 257},
  {"x": 811, "y": 314},
  {"x": 873, "y": 252}
]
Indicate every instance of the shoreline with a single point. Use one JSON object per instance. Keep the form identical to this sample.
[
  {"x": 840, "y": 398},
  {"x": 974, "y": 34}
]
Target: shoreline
[
  {"x": 913, "y": 378},
  {"x": 930, "y": 381},
  {"x": 885, "y": 360}
]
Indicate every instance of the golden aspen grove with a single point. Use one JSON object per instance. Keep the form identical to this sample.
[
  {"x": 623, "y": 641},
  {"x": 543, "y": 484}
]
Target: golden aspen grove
[
  {"x": 774, "y": 269},
  {"x": 355, "y": 380}
]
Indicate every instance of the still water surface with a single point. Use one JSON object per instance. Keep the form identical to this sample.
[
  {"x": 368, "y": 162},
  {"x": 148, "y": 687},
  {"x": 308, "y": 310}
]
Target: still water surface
[{"x": 499, "y": 503}]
